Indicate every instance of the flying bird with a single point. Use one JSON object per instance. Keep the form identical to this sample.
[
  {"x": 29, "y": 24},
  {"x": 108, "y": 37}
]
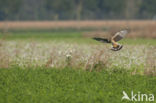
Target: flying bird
[{"x": 114, "y": 39}]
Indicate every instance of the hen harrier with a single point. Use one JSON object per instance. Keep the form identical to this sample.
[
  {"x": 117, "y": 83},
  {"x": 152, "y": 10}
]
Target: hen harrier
[{"x": 114, "y": 39}]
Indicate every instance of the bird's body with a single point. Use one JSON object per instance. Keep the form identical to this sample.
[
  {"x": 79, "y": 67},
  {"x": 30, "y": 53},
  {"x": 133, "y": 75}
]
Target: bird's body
[{"x": 114, "y": 39}]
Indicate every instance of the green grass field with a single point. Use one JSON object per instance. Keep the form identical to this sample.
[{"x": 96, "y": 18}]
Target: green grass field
[
  {"x": 67, "y": 36},
  {"x": 23, "y": 79},
  {"x": 69, "y": 86}
]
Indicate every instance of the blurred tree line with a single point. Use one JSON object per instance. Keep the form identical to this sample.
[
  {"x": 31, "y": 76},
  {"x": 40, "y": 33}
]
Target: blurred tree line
[{"x": 77, "y": 9}]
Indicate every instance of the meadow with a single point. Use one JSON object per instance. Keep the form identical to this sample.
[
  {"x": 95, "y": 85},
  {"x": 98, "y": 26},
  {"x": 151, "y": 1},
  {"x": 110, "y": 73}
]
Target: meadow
[{"x": 59, "y": 62}]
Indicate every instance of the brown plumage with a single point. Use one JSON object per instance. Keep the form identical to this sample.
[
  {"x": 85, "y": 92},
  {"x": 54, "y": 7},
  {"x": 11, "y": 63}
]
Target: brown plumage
[{"x": 114, "y": 39}]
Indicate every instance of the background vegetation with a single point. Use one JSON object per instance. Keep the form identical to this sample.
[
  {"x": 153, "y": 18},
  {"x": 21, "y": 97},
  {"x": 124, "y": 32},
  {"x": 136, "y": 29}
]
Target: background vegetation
[{"x": 76, "y": 9}]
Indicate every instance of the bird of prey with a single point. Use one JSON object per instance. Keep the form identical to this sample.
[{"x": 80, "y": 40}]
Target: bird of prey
[{"x": 114, "y": 39}]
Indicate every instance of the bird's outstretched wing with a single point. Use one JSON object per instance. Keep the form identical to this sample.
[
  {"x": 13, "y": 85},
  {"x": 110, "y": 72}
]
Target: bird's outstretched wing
[
  {"x": 120, "y": 35},
  {"x": 104, "y": 40}
]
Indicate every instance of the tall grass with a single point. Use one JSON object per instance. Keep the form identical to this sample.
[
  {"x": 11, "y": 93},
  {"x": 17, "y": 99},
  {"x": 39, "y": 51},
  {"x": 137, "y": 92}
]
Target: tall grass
[{"x": 86, "y": 56}]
